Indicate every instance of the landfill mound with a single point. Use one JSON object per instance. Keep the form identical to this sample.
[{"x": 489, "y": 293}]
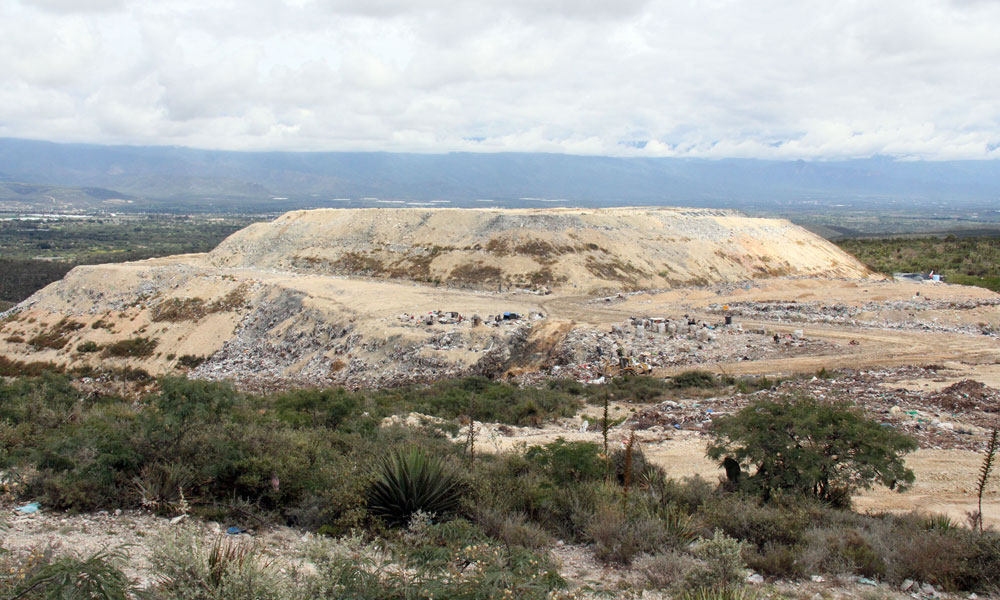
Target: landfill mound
[
  {"x": 614, "y": 249},
  {"x": 383, "y": 297}
]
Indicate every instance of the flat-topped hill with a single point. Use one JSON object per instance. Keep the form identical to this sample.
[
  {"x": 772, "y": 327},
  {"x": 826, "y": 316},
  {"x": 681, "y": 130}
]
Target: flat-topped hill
[
  {"x": 616, "y": 248},
  {"x": 329, "y": 297}
]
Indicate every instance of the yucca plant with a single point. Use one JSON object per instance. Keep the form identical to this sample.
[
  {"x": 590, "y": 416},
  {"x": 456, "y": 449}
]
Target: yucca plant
[
  {"x": 97, "y": 577},
  {"x": 738, "y": 592},
  {"x": 407, "y": 482}
]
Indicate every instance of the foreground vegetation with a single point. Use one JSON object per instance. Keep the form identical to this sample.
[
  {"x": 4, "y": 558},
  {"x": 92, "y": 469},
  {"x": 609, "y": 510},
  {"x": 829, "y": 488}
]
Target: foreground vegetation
[
  {"x": 965, "y": 261},
  {"x": 411, "y": 512}
]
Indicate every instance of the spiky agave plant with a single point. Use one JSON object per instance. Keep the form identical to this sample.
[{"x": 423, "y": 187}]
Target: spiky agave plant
[
  {"x": 407, "y": 482},
  {"x": 96, "y": 577}
]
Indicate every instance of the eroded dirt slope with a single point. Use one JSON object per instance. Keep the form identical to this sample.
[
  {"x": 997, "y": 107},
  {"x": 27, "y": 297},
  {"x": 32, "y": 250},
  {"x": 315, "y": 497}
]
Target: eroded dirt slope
[{"x": 585, "y": 250}]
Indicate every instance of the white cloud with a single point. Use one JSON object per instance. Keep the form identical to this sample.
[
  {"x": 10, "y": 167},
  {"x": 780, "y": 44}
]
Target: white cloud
[{"x": 775, "y": 78}]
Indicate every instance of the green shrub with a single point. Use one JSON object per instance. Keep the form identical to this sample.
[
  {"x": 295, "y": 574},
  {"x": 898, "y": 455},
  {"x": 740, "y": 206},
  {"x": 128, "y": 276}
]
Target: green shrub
[
  {"x": 188, "y": 568},
  {"x": 689, "y": 494},
  {"x": 513, "y": 529},
  {"x": 473, "y": 571},
  {"x": 511, "y": 483},
  {"x": 565, "y": 462},
  {"x": 814, "y": 448},
  {"x": 18, "y": 368},
  {"x": 730, "y": 592},
  {"x": 87, "y": 347},
  {"x": 138, "y": 347},
  {"x": 642, "y": 470},
  {"x": 178, "y": 309},
  {"x": 637, "y": 388},
  {"x": 407, "y": 482},
  {"x": 722, "y": 563},
  {"x": 844, "y": 551},
  {"x": 778, "y": 560},
  {"x": 56, "y": 337},
  {"x": 329, "y": 408},
  {"x": 619, "y": 538},
  {"x": 757, "y": 523},
  {"x": 694, "y": 379},
  {"x": 749, "y": 385},
  {"x": 665, "y": 570},
  {"x": 488, "y": 401},
  {"x": 190, "y": 361}
]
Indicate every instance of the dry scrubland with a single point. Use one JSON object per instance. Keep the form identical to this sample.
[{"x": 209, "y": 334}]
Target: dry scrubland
[{"x": 341, "y": 298}]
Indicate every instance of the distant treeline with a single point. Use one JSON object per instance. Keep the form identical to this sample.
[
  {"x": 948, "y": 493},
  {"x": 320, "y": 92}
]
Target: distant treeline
[
  {"x": 20, "y": 278},
  {"x": 36, "y": 253},
  {"x": 967, "y": 261}
]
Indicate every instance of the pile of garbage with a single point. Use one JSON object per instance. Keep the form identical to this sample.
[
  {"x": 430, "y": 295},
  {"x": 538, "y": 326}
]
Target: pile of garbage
[
  {"x": 860, "y": 316},
  {"x": 584, "y": 354},
  {"x": 958, "y": 416},
  {"x": 441, "y": 317}
]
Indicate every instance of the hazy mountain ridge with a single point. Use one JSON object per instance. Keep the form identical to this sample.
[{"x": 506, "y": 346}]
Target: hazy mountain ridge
[{"x": 179, "y": 174}]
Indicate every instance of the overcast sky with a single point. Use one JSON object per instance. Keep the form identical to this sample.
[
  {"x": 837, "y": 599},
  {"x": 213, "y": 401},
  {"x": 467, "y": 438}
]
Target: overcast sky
[{"x": 716, "y": 78}]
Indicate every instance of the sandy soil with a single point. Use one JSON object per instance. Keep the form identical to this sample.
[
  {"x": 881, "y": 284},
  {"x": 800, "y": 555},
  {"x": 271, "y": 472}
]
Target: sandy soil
[{"x": 945, "y": 479}]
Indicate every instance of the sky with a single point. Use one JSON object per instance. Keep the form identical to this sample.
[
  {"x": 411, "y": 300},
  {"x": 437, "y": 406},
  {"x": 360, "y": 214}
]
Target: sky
[{"x": 785, "y": 79}]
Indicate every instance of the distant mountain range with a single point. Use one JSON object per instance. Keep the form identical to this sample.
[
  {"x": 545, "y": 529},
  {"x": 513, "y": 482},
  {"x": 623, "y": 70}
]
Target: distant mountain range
[{"x": 171, "y": 178}]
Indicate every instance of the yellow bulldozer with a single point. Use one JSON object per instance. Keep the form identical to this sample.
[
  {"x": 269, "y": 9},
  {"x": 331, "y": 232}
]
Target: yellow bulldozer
[{"x": 626, "y": 365}]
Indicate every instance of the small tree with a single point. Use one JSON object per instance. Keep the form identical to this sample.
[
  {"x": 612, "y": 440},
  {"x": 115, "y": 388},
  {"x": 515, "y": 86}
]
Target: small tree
[{"x": 804, "y": 446}]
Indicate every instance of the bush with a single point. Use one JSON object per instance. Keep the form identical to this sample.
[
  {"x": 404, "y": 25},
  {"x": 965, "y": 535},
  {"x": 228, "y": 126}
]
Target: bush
[
  {"x": 56, "y": 337},
  {"x": 665, "y": 570},
  {"x": 513, "y": 529},
  {"x": 177, "y": 309},
  {"x": 843, "y": 551},
  {"x": 190, "y": 361},
  {"x": 778, "y": 560},
  {"x": 722, "y": 563},
  {"x": 566, "y": 462},
  {"x": 97, "y": 577},
  {"x": 689, "y": 494},
  {"x": 619, "y": 539},
  {"x": 87, "y": 347},
  {"x": 139, "y": 347},
  {"x": 732, "y": 592},
  {"x": 187, "y": 568},
  {"x": 641, "y": 469},
  {"x": 694, "y": 379},
  {"x": 441, "y": 564},
  {"x": 747, "y": 519},
  {"x": 813, "y": 448},
  {"x": 637, "y": 388},
  {"x": 410, "y": 482}
]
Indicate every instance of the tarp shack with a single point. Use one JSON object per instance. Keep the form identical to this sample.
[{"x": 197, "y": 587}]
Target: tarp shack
[{"x": 909, "y": 277}]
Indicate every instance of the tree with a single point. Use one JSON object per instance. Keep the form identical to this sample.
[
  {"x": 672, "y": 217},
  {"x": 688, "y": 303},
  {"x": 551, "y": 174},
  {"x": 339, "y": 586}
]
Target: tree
[{"x": 804, "y": 446}]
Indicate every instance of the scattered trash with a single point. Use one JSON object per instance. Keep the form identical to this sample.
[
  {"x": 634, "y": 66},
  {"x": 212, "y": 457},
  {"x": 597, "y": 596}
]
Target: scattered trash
[
  {"x": 234, "y": 530},
  {"x": 30, "y": 508}
]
